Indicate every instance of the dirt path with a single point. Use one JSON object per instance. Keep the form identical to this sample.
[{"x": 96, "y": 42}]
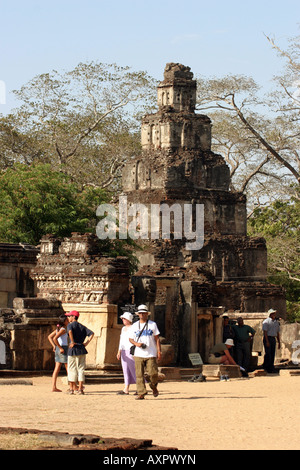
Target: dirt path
[{"x": 253, "y": 414}]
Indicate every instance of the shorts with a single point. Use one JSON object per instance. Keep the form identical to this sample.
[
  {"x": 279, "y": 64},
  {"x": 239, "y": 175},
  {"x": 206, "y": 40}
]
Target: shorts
[
  {"x": 212, "y": 359},
  {"x": 61, "y": 357}
]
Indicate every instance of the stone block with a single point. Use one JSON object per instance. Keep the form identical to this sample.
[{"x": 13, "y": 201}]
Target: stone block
[
  {"x": 8, "y": 285},
  {"x": 7, "y": 271},
  {"x": 170, "y": 373},
  {"x": 35, "y": 303},
  {"x": 167, "y": 354},
  {"x": 258, "y": 373},
  {"x": 216, "y": 370},
  {"x": 3, "y": 299}
]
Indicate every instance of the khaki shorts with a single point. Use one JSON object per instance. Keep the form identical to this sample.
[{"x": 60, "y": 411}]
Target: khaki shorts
[
  {"x": 76, "y": 368},
  {"x": 212, "y": 359}
]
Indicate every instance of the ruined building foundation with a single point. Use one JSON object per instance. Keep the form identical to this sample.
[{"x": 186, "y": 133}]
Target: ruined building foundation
[{"x": 186, "y": 290}]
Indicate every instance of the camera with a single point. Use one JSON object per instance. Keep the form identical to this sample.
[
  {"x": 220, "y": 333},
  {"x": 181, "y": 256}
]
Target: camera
[{"x": 143, "y": 346}]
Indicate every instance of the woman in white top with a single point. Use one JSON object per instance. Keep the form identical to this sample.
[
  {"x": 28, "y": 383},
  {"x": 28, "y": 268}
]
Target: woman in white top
[
  {"x": 127, "y": 360},
  {"x": 59, "y": 340}
]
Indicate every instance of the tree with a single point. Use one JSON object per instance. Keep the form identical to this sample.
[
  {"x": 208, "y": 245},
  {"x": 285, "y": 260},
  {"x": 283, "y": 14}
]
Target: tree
[
  {"x": 270, "y": 141},
  {"x": 36, "y": 200},
  {"x": 84, "y": 122},
  {"x": 242, "y": 154},
  {"x": 279, "y": 225}
]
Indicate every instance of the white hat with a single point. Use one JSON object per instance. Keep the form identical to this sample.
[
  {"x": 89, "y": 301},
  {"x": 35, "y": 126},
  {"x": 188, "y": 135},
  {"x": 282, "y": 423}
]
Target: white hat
[
  {"x": 271, "y": 310},
  {"x": 128, "y": 316},
  {"x": 142, "y": 308},
  {"x": 229, "y": 341}
]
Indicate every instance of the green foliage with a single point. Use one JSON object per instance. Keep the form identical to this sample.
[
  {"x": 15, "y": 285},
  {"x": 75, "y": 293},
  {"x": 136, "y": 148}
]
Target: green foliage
[
  {"x": 279, "y": 224},
  {"x": 280, "y": 218},
  {"x": 293, "y": 311},
  {"x": 36, "y": 200}
]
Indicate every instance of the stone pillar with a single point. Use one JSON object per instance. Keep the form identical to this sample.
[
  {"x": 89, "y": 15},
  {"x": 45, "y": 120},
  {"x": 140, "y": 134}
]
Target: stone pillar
[
  {"x": 189, "y": 323},
  {"x": 103, "y": 321},
  {"x": 210, "y": 331},
  {"x": 145, "y": 292}
]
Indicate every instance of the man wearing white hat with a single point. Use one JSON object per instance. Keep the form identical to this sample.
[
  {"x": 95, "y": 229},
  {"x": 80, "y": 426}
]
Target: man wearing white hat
[
  {"x": 271, "y": 331},
  {"x": 145, "y": 338},
  {"x": 220, "y": 354}
]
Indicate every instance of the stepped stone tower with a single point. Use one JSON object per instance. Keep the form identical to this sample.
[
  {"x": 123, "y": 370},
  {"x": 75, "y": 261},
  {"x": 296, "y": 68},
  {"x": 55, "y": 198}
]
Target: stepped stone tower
[{"x": 187, "y": 290}]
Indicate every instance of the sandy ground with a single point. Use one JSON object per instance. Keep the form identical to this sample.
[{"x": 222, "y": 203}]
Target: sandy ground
[{"x": 252, "y": 414}]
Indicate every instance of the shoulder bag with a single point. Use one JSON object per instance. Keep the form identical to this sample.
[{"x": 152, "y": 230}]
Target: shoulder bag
[{"x": 132, "y": 349}]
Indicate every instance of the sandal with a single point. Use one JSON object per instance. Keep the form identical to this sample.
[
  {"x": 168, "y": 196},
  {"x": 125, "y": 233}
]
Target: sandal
[{"x": 140, "y": 397}]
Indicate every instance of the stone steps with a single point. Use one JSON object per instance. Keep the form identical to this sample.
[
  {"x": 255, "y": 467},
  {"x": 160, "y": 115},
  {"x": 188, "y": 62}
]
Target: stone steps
[
  {"x": 96, "y": 377},
  {"x": 168, "y": 373}
]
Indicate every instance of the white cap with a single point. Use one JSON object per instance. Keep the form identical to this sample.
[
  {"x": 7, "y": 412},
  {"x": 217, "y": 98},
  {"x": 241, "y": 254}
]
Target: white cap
[
  {"x": 142, "y": 308},
  {"x": 229, "y": 341},
  {"x": 271, "y": 310},
  {"x": 128, "y": 316}
]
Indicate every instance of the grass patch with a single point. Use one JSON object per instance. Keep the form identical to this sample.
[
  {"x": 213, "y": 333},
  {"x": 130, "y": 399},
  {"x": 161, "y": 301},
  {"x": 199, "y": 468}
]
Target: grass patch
[{"x": 17, "y": 441}]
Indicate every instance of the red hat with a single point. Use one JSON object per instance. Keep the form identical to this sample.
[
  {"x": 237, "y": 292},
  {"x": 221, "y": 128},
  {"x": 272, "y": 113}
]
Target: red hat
[{"x": 73, "y": 313}]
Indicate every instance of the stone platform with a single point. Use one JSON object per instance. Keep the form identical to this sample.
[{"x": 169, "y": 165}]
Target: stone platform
[{"x": 215, "y": 370}]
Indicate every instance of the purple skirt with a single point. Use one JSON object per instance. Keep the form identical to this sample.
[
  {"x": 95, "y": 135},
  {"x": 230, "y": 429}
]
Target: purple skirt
[{"x": 128, "y": 367}]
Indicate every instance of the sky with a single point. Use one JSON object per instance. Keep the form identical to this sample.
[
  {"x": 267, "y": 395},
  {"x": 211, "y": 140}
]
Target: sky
[{"x": 213, "y": 37}]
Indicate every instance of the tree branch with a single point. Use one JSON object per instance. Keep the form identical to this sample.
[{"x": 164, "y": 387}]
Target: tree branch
[
  {"x": 264, "y": 142},
  {"x": 254, "y": 172}
]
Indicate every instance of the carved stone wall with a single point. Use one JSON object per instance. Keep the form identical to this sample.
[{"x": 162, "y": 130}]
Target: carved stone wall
[
  {"x": 75, "y": 272},
  {"x": 69, "y": 274},
  {"x": 24, "y": 331},
  {"x": 16, "y": 261}
]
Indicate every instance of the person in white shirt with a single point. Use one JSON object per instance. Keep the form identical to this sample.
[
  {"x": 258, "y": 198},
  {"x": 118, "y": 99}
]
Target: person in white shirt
[
  {"x": 127, "y": 360},
  {"x": 145, "y": 337},
  {"x": 271, "y": 330}
]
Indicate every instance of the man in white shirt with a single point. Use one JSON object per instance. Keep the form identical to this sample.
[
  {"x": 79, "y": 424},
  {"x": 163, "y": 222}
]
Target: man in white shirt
[
  {"x": 271, "y": 330},
  {"x": 145, "y": 336}
]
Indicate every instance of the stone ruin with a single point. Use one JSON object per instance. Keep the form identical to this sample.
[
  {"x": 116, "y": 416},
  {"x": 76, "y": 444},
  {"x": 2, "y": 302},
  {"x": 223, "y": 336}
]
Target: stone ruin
[
  {"x": 186, "y": 290},
  {"x": 69, "y": 274},
  {"x": 190, "y": 289}
]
